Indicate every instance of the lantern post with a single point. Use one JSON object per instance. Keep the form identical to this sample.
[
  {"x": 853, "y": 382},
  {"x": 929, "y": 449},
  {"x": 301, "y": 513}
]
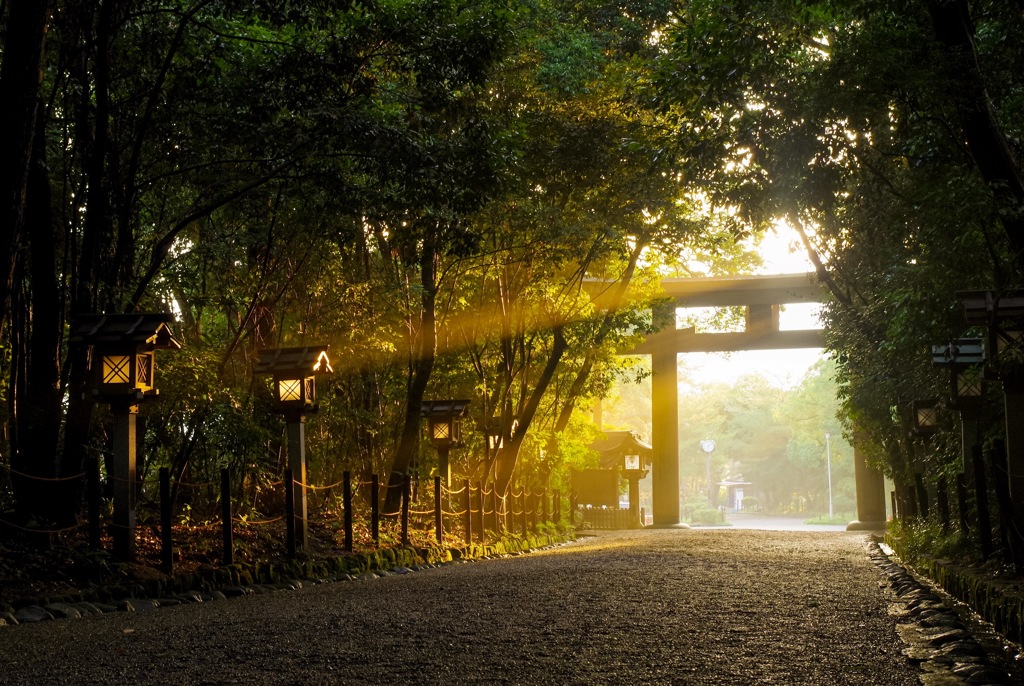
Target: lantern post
[
  {"x": 122, "y": 372},
  {"x": 294, "y": 372},
  {"x": 924, "y": 424},
  {"x": 634, "y": 468},
  {"x": 964, "y": 358},
  {"x": 444, "y": 427},
  {"x": 1002, "y": 314}
]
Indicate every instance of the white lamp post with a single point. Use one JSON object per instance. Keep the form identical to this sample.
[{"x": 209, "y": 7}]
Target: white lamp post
[
  {"x": 708, "y": 446},
  {"x": 828, "y": 463}
]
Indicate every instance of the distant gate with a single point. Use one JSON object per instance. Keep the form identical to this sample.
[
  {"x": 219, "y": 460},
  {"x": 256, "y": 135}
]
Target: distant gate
[{"x": 761, "y": 296}]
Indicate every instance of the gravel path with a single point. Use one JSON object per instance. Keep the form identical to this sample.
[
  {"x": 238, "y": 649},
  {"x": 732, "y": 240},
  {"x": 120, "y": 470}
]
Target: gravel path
[{"x": 651, "y": 607}]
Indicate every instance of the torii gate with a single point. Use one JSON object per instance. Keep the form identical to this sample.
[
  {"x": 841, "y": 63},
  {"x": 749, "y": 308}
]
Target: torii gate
[{"x": 761, "y": 296}]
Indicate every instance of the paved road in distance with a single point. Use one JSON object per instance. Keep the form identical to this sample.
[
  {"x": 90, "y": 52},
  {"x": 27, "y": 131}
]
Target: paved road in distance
[{"x": 648, "y": 607}]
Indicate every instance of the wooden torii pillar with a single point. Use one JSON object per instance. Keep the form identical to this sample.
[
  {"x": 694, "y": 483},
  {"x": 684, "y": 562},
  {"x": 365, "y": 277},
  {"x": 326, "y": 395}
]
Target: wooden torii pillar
[{"x": 761, "y": 297}]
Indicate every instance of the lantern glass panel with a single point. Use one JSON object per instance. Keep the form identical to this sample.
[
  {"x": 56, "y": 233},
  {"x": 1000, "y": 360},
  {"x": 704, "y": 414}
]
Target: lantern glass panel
[
  {"x": 310, "y": 384},
  {"x": 968, "y": 384},
  {"x": 927, "y": 417},
  {"x": 144, "y": 372},
  {"x": 441, "y": 430},
  {"x": 289, "y": 390},
  {"x": 1007, "y": 339},
  {"x": 632, "y": 462},
  {"x": 117, "y": 369}
]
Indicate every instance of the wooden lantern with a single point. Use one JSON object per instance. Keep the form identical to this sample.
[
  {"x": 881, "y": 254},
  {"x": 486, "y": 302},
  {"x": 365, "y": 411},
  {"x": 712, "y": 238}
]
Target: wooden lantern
[
  {"x": 294, "y": 371},
  {"x": 123, "y": 363}
]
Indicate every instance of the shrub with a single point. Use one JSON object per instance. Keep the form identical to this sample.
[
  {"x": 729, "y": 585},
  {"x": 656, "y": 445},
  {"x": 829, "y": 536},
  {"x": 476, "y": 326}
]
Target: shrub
[
  {"x": 707, "y": 516},
  {"x": 917, "y": 538}
]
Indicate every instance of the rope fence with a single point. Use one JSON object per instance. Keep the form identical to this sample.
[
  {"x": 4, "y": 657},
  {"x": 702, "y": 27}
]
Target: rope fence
[
  {"x": 473, "y": 509},
  {"x": 476, "y": 512},
  {"x": 34, "y": 477}
]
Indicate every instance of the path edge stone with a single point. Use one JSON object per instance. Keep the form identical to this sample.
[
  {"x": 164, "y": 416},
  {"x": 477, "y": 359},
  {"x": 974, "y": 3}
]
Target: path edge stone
[{"x": 999, "y": 602}]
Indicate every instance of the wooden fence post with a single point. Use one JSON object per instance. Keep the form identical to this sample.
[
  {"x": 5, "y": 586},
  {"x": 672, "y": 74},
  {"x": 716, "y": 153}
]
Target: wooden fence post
[
  {"x": 506, "y": 511},
  {"x": 942, "y": 503},
  {"x": 922, "y": 495},
  {"x": 166, "y": 543},
  {"x": 484, "y": 500},
  {"x": 289, "y": 514},
  {"x": 375, "y": 508},
  {"x": 961, "y": 502},
  {"x": 93, "y": 496},
  {"x": 494, "y": 509},
  {"x": 346, "y": 500},
  {"x": 523, "y": 527},
  {"x": 469, "y": 512},
  {"x": 981, "y": 502},
  {"x": 497, "y": 514},
  {"x": 438, "y": 513},
  {"x": 225, "y": 516},
  {"x": 480, "y": 511},
  {"x": 406, "y": 485},
  {"x": 535, "y": 505}
]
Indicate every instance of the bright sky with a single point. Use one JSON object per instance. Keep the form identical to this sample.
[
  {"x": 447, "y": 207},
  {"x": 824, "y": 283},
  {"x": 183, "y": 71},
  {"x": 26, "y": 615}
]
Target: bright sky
[{"x": 783, "y": 254}]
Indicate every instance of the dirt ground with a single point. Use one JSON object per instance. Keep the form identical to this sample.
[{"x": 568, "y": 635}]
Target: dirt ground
[{"x": 651, "y": 607}]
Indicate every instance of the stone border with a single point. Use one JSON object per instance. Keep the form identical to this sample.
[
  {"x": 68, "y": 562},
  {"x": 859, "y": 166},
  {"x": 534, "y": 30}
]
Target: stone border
[
  {"x": 997, "y": 602},
  {"x": 938, "y": 642},
  {"x": 214, "y": 583}
]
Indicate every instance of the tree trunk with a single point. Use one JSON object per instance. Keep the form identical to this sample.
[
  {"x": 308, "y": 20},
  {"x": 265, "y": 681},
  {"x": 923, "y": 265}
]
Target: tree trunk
[
  {"x": 92, "y": 124},
  {"x": 986, "y": 142},
  {"x": 421, "y": 367},
  {"x": 607, "y": 326},
  {"x": 1012, "y": 540},
  {"x": 508, "y": 456},
  {"x": 38, "y": 407},
  {"x": 20, "y": 79}
]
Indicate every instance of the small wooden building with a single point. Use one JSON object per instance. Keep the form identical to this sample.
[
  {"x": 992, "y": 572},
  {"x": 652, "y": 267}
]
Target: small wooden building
[
  {"x": 734, "y": 492},
  {"x": 622, "y": 455}
]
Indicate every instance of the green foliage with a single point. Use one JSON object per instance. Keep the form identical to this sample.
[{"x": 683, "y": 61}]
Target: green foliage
[
  {"x": 280, "y": 175},
  {"x": 825, "y": 519},
  {"x": 849, "y": 123},
  {"x": 918, "y": 538},
  {"x": 570, "y": 60},
  {"x": 706, "y": 516}
]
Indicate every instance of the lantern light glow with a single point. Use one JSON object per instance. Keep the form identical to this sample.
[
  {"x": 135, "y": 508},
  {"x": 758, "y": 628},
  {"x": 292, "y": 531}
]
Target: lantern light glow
[{"x": 294, "y": 371}]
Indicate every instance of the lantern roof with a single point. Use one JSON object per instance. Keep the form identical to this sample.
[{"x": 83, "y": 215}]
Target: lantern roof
[
  {"x": 443, "y": 408},
  {"x": 616, "y": 444},
  {"x": 961, "y": 352},
  {"x": 306, "y": 360},
  {"x": 146, "y": 330},
  {"x": 986, "y": 307}
]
